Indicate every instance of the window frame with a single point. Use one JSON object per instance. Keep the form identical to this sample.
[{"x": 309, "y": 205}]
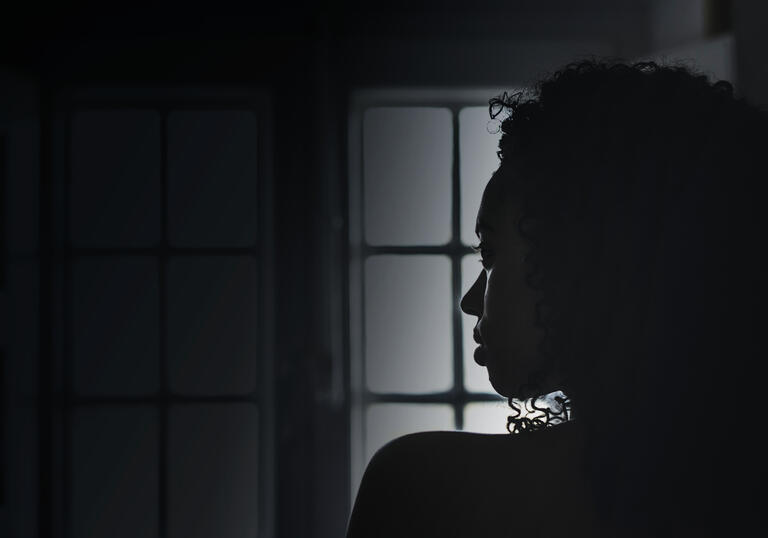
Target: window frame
[{"x": 164, "y": 100}]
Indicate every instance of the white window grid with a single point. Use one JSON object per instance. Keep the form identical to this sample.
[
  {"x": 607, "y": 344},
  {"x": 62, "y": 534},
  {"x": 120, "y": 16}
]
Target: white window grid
[{"x": 457, "y": 396}]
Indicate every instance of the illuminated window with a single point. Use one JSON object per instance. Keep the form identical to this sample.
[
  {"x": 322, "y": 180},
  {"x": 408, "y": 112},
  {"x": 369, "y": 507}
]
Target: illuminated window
[{"x": 419, "y": 164}]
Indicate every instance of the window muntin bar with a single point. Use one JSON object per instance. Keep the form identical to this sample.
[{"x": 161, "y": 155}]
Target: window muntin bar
[{"x": 152, "y": 250}]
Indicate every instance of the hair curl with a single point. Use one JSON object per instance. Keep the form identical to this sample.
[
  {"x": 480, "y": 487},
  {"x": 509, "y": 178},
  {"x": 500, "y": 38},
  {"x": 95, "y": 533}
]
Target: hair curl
[{"x": 639, "y": 187}]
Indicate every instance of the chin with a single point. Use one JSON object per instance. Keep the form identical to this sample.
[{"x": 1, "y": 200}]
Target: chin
[
  {"x": 516, "y": 390},
  {"x": 500, "y": 385}
]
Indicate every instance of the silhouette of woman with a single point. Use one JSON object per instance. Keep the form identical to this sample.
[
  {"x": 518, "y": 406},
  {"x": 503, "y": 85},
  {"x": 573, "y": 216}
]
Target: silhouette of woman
[{"x": 622, "y": 240}]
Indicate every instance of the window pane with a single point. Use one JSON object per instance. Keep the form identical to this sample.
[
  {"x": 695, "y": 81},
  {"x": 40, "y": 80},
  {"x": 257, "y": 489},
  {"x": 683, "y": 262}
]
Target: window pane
[
  {"x": 486, "y": 417},
  {"x": 408, "y": 324},
  {"x": 475, "y": 376},
  {"x": 407, "y": 163},
  {"x": 115, "y": 187},
  {"x": 213, "y": 471},
  {"x": 115, "y": 325},
  {"x": 477, "y": 148},
  {"x": 212, "y": 178},
  {"x": 114, "y": 465},
  {"x": 384, "y": 422},
  {"x": 212, "y": 324}
]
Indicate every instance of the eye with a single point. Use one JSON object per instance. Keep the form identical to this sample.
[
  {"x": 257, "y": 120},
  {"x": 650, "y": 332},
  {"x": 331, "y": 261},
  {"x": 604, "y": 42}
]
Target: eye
[{"x": 486, "y": 254}]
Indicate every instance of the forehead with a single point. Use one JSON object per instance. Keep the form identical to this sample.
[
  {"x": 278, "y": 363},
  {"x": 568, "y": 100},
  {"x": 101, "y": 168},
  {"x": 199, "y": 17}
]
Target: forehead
[{"x": 497, "y": 207}]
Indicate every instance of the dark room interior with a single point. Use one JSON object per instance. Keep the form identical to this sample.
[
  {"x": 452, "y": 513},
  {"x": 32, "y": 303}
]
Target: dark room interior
[{"x": 188, "y": 343}]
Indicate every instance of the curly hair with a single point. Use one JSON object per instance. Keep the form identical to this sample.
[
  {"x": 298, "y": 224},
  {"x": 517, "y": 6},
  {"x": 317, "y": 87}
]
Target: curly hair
[{"x": 639, "y": 187}]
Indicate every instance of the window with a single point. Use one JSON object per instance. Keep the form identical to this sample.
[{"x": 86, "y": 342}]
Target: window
[
  {"x": 165, "y": 354},
  {"x": 419, "y": 163}
]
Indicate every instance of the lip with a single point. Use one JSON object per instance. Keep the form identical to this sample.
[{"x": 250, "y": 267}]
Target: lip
[
  {"x": 479, "y": 355},
  {"x": 477, "y": 338}
]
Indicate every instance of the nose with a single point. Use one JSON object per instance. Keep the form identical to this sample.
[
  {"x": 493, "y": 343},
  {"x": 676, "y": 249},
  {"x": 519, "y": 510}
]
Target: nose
[{"x": 472, "y": 302}]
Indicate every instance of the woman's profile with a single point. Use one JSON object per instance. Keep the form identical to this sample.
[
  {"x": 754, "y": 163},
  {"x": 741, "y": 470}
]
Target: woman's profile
[{"x": 622, "y": 240}]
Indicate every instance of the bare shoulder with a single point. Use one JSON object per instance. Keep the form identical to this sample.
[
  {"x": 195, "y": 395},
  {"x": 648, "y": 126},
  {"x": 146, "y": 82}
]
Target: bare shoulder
[
  {"x": 416, "y": 459},
  {"x": 475, "y": 478},
  {"x": 435, "y": 444},
  {"x": 426, "y": 449}
]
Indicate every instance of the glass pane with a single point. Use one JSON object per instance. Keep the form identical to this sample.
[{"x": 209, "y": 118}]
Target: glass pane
[
  {"x": 384, "y": 422},
  {"x": 477, "y": 149},
  {"x": 407, "y": 163},
  {"x": 115, "y": 325},
  {"x": 115, "y": 189},
  {"x": 212, "y": 178},
  {"x": 408, "y": 308},
  {"x": 475, "y": 376},
  {"x": 486, "y": 417},
  {"x": 213, "y": 471},
  {"x": 212, "y": 324},
  {"x": 114, "y": 472}
]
